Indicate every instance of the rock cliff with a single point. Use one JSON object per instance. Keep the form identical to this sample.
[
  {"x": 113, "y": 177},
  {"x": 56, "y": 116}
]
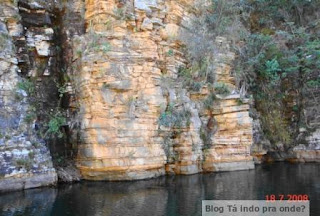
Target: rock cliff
[
  {"x": 126, "y": 84},
  {"x": 107, "y": 84},
  {"x": 25, "y": 160}
]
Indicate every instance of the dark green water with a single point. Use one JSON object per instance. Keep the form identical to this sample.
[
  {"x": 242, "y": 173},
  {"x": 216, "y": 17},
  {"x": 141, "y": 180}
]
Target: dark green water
[{"x": 174, "y": 196}]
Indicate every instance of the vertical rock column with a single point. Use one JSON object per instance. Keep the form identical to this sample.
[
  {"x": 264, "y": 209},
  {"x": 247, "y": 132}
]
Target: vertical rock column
[
  {"x": 117, "y": 85},
  {"x": 183, "y": 143},
  {"x": 230, "y": 145}
]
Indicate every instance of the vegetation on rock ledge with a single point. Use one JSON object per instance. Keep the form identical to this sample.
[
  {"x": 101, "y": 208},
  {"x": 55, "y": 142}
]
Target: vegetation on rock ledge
[{"x": 278, "y": 57}]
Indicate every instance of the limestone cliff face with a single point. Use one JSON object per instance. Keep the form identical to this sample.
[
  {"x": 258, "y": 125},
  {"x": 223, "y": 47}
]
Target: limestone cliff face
[
  {"x": 25, "y": 161},
  {"x": 125, "y": 78}
]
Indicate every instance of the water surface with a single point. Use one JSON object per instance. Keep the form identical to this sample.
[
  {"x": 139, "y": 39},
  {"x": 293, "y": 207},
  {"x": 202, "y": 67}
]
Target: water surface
[{"x": 173, "y": 195}]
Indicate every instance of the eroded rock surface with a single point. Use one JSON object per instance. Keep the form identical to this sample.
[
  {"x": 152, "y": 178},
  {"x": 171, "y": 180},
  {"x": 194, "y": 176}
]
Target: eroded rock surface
[
  {"x": 130, "y": 114},
  {"x": 121, "y": 61},
  {"x": 25, "y": 161}
]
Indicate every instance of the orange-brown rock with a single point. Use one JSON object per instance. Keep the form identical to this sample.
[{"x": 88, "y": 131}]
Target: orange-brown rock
[{"x": 119, "y": 65}]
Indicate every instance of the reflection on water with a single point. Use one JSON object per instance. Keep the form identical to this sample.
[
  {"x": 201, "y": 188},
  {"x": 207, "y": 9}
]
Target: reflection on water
[
  {"x": 29, "y": 202},
  {"x": 174, "y": 195}
]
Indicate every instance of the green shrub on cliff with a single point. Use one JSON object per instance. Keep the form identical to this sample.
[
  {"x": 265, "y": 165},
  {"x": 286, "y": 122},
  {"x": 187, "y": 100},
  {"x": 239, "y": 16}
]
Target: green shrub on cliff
[
  {"x": 221, "y": 88},
  {"x": 279, "y": 61},
  {"x": 27, "y": 85},
  {"x": 55, "y": 123},
  {"x": 174, "y": 118},
  {"x": 209, "y": 101},
  {"x": 4, "y": 41},
  {"x": 194, "y": 76},
  {"x": 278, "y": 56},
  {"x": 30, "y": 117},
  {"x": 314, "y": 83},
  {"x": 24, "y": 163}
]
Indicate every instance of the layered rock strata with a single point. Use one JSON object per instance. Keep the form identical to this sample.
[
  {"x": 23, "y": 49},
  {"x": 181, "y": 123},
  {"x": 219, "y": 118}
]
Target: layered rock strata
[
  {"x": 24, "y": 158},
  {"x": 230, "y": 149},
  {"x": 120, "y": 64},
  {"x": 130, "y": 114}
]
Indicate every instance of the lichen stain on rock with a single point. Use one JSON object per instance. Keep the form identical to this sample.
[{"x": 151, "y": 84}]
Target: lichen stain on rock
[{"x": 25, "y": 159}]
